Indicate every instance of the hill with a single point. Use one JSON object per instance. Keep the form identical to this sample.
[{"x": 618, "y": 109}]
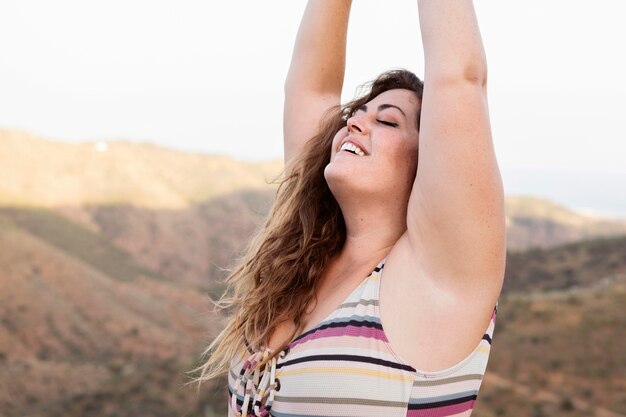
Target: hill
[
  {"x": 109, "y": 250},
  {"x": 139, "y": 193},
  {"x": 73, "y": 326},
  {"x": 534, "y": 222},
  {"x": 39, "y": 172},
  {"x": 560, "y": 352},
  {"x": 79, "y": 337},
  {"x": 571, "y": 265}
]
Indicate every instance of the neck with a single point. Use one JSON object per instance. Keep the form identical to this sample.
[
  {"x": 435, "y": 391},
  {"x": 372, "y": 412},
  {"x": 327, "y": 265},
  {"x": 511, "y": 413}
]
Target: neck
[{"x": 372, "y": 228}]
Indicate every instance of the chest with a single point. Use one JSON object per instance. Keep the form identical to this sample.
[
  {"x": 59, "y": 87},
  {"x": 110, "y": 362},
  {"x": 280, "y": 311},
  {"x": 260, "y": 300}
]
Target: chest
[
  {"x": 329, "y": 299},
  {"x": 341, "y": 367}
]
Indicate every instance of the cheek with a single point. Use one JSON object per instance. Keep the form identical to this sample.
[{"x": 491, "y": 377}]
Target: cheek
[
  {"x": 406, "y": 155},
  {"x": 403, "y": 149}
]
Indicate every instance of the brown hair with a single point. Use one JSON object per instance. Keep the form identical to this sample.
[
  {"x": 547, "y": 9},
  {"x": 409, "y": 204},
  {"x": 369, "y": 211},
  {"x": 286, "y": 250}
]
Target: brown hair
[{"x": 275, "y": 279}]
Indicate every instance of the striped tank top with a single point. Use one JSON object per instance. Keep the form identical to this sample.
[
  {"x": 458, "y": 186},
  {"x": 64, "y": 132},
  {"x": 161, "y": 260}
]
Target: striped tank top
[{"x": 345, "y": 367}]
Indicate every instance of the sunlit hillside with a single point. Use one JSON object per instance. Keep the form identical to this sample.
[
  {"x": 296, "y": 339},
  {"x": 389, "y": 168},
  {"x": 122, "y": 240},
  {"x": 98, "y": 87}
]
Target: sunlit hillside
[
  {"x": 110, "y": 250},
  {"x": 122, "y": 187},
  {"x": 538, "y": 222},
  {"x": 42, "y": 172}
]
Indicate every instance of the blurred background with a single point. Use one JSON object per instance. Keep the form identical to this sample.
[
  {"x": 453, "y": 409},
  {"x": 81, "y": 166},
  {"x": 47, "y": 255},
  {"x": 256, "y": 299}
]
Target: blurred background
[{"x": 137, "y": 142}]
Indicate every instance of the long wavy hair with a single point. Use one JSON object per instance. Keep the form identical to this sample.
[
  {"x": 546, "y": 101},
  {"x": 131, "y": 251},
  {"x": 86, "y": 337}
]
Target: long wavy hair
[{"x": 275, "y": 279}]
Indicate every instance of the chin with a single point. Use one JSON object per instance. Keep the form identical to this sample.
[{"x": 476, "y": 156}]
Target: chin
[
  {"x": 338, "y": 171},
  {"x": 345, "y": 181}
]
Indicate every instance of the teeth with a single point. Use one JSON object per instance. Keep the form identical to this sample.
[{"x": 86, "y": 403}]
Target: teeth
[{"x": 351, "y": 147}]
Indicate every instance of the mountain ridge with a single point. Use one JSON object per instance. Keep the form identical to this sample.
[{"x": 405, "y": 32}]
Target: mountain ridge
[
  {"x": 104, "y": 301},
  {"x": 37, "y": 171}
]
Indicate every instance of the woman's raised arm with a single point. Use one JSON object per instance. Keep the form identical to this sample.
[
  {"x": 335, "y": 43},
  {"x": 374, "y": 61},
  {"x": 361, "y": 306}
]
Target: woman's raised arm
[
  {"x": 316, "y": 73},
  {"x": 456, "y": 209}
]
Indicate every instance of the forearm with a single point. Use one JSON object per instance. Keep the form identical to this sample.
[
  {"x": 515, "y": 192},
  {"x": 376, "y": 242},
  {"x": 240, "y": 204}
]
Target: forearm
[
  {"x": 319, "y": 54},
  {"x": 451, "y": 39}
]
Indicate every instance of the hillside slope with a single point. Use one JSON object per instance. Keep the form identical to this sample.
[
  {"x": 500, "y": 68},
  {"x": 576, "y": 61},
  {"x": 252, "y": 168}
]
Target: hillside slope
[
  {"x": 39, "y": 172},
  {"x": 69, "y": 330},
  {"x": 559, "y": 353},
  {"x": 108, "y": 259}
]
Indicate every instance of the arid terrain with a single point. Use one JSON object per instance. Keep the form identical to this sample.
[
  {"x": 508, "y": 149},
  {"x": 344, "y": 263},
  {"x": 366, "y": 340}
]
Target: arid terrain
[{"x": 109, "y": 252}]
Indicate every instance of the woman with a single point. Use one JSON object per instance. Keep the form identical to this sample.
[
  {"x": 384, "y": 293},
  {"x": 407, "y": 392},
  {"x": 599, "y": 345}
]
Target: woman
[{"x": 316, "y": 330}]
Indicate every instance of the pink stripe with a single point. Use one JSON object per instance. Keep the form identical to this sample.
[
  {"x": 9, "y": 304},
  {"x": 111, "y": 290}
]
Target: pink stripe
[
  {"x": 448, "y": 410},
  {"x": 362, "y": 331}
]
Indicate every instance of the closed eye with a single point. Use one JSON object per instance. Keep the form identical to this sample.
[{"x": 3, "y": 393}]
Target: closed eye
[{"x": 387, "y": 123}]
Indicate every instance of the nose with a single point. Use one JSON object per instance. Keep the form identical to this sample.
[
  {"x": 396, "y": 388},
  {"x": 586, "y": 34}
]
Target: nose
[{"x": 356, "y": 123}]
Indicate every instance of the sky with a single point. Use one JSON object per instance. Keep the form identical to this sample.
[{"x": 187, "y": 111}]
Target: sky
[{"x": 208, "y": 77}]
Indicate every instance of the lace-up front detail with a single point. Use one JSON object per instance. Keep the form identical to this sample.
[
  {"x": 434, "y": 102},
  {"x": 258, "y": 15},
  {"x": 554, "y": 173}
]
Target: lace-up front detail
[{"x": 260, "y": 384}]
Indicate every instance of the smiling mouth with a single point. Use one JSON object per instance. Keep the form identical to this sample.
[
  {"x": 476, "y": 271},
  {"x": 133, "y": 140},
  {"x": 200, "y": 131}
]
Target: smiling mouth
[{"x": 352, "y": 148}]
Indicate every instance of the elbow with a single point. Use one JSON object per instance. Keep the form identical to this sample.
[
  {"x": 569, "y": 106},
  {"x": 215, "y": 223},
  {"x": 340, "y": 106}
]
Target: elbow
[
  {"x": 475, "y": 73},
  {"x": 475, "y": 69}
]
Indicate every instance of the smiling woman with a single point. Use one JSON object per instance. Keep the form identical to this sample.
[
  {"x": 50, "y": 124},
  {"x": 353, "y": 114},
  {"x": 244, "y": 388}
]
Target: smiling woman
[{"x": 402, "y": 180}]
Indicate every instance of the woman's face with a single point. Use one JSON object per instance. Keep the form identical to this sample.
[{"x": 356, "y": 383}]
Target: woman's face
[{"x": 385, "y": 130}]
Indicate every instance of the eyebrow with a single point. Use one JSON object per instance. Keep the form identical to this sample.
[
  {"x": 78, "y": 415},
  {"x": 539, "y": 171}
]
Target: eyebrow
[{"x": 382, "y": 107}]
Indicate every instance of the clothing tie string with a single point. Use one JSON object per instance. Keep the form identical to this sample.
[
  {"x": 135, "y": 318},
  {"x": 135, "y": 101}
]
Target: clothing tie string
[{"x": 260, "y": 384}]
